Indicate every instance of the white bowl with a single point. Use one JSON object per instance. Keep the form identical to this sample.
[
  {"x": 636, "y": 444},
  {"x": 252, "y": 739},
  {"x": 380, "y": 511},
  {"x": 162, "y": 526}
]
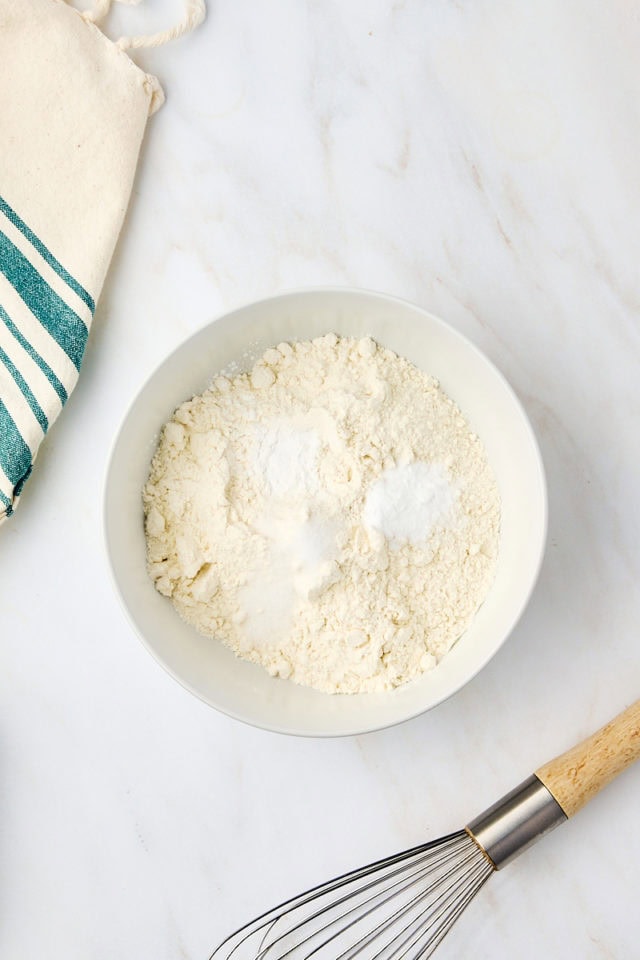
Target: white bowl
[{"x": 208, "y": 668}]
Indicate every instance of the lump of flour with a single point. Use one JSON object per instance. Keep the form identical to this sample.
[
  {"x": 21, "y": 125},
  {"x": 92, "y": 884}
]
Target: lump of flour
[{"x": 329, "y": 515}]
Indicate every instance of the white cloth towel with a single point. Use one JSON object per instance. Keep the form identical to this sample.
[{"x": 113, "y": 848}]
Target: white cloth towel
[{"x": 73, "y": 111}]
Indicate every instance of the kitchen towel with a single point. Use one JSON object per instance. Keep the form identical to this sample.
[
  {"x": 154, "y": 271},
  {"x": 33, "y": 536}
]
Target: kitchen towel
[{"x": 73, "y": 111}]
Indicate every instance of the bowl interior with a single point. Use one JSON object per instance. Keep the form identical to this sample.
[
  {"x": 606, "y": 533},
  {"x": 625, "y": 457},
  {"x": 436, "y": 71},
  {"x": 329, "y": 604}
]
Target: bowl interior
[{"x": 209, "y": 669}]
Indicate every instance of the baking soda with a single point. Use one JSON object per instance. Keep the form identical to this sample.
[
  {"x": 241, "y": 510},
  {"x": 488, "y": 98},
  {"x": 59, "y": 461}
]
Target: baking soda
[{"x": 407, "y": 503}]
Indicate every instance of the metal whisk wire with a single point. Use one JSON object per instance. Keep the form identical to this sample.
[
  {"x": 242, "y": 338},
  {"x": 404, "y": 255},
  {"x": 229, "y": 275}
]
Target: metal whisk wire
[{"x": 400, "y": 907}]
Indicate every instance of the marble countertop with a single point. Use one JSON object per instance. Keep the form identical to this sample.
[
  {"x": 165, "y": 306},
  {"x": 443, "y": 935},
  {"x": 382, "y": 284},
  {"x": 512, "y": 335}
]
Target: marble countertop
[{"x": 482, "y": 161}]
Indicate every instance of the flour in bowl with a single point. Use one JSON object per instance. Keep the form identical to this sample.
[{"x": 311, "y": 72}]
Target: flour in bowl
[{"x": 329, "y": 515}]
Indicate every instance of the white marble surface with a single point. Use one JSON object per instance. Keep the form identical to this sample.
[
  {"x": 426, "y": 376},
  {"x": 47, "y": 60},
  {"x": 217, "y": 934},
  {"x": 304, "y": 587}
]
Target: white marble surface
[{"x": 482, "y": 160}]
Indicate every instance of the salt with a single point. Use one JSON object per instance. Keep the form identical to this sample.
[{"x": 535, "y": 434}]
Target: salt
[{"x": 406, "y": 503}]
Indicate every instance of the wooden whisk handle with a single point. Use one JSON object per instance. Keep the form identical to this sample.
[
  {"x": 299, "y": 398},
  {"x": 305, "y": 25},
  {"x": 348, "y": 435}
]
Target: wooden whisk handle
[{"x": 577, "y": 775}]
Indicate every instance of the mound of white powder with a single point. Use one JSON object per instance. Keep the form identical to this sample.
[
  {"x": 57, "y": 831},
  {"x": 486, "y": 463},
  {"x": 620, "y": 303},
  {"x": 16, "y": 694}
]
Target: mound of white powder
[{"x": 329, "y": 515}]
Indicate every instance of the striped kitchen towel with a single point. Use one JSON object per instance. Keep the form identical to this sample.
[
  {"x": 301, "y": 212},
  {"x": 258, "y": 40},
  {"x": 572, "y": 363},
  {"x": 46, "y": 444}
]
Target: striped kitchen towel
[
  {"x": 44, "y": 321},
  {"x": 73, "y": 110}
]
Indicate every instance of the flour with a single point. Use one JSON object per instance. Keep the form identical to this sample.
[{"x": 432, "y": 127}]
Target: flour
[{"x": 329, "y": 515}]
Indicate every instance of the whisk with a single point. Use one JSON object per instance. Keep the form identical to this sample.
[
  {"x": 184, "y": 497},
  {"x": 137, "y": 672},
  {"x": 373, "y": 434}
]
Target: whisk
[{"x": 400, "y": 908}]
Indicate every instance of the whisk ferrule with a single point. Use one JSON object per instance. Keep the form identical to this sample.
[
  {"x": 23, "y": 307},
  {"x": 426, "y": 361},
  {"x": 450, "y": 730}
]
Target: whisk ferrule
[{"x": 516, "y": 821}]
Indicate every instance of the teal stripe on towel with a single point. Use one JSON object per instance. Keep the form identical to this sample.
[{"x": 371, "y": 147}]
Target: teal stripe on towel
[
  {"x": 35, "y": 356},
  {"x": 15, "y": 456},
  {"x": 7, "y": 503},
  {"x": 27, "y": 393},
  {"x": 47, "y": 255},
  {"x": 56, "y": 317}
]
